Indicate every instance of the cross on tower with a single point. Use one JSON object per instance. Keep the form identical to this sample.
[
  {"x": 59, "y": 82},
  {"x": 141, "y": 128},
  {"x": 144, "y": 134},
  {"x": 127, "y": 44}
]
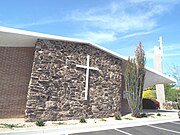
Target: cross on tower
[{"x": 87, "y": 67}]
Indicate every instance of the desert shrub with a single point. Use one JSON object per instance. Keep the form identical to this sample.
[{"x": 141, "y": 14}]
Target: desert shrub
[
  {"x": 158, "y": 114},
  {"x": 178, "y": 103},
  {"x": 82, "y": 120},
  {"x": 150, "y": 104},
  {"x": 103, "y": 119},
  {"x": 169, "y": 105},
  {"x": 171, "y": 92},
  {"x": 144, "y": 115},
  {"x": 59, "y": 123},
  {"x": 150, "y": 94},
  {"x": 175, "y": 105},
  {"x": 117, "y": 116},
  {"x": 40, "y": 122},
  {"x": 127, "y": 118},
  {"x": 11, "y": 126}
]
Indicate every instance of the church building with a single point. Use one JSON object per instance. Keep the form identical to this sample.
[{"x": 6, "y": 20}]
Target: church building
[{"x": 53, "y": 77}]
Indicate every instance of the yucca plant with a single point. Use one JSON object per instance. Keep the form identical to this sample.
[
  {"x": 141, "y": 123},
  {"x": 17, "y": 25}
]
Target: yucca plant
[
  {"x": 82, "y": 120},
  {"x": 40, "y": 122},
  {"x": 118, "y": 116}
]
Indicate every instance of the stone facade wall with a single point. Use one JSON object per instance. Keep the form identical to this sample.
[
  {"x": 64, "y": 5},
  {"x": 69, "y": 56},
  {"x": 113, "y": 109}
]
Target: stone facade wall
[
  {"x": 15, "y": 73},
  {"x": 125, "y": 109},
  {"x": 57, "y": 85}
]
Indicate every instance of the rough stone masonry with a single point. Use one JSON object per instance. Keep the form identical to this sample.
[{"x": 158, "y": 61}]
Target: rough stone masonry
[{"x": 56, "y": 89}]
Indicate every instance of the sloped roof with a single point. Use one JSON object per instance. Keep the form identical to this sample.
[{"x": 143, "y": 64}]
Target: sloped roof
[{"x": 10, "y": 37}]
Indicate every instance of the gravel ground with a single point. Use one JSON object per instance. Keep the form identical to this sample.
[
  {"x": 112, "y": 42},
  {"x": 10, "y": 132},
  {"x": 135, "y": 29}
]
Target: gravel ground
[{"x": 55, "y": 124}]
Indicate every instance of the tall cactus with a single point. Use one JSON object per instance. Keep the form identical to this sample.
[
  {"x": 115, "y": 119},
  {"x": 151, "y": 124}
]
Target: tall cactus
[{"x": 134, "y": 79}]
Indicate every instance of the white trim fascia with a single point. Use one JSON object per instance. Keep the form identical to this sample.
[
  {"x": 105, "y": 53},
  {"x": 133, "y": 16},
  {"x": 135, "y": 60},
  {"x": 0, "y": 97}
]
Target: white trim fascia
[{"x": 54, "y": 37}]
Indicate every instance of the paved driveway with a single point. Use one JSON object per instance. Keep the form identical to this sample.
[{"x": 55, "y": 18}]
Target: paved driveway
[{"x": 168, "y": 128}]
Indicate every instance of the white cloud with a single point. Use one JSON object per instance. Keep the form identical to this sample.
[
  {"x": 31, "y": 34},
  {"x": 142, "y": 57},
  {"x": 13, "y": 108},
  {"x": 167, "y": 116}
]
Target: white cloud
[
  {"x": 120, "y": 18},
  {"x": 39, "y": 22},
  {"x": 136, "y": 34},
  {"x": 108, "y": 22},
  {"x": 172, "y": 54},
  {"x": 172, "y": 47},
  {"x": 172, "y": 50},
  {"x": 168, "y": 51},
  {"x": 127, "y": 51},
  {"x": 150, "y": 53},
  {"x": 171, "y": 2},
  {"x": 99, "y": 37},
  {"x": 118, "y": 21}
]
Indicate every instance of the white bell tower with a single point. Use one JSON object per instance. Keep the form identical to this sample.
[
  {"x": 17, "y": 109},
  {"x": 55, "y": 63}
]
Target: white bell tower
[{"x": 158, "y": 53}]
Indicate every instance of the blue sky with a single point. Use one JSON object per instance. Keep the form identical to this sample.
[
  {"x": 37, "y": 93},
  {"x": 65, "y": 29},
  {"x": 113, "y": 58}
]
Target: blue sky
[{"x": 115, "y": 24}]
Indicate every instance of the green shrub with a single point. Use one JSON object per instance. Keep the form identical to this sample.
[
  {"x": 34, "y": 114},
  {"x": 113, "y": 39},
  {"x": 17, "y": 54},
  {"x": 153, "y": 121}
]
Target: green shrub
[
  {"x": 59, "y": 123},
  {"x": 126, "y": 118},
  {"x": 117, "y": 116},
  {"x": 150, "y": 94},
  {"x": 11, "y": 126},
  {"x": 178, "y": 100},
  {"x": 82, "y": 120},
  {"x": 103, "y": 119},
  {"x": 171, "y": 92},
  {"x": 40, "y": 122},
  {"x": 158, "y": 114},
  {"x": 144, "y": 115}
]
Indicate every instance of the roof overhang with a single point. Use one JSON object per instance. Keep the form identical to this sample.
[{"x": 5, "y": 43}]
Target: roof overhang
[
  {"x": 154, "y": 77},
  {"x": 10, "y": 37}
]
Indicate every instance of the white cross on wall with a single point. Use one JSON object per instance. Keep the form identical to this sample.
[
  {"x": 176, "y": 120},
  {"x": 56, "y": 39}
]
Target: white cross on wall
[{"x": 87, "y": 67}]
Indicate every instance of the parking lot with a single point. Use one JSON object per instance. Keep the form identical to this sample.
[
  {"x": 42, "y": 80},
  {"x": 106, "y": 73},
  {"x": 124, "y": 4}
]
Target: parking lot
[{"x": 168, "y": 128}]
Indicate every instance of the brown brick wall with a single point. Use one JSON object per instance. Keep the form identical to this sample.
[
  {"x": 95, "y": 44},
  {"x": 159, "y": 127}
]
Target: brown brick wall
[{"x": 15, "y": 70}]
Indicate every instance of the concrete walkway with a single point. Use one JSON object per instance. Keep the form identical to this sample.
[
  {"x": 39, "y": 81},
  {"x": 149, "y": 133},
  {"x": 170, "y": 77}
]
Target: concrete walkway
[{"x": 166, "y": 116}]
